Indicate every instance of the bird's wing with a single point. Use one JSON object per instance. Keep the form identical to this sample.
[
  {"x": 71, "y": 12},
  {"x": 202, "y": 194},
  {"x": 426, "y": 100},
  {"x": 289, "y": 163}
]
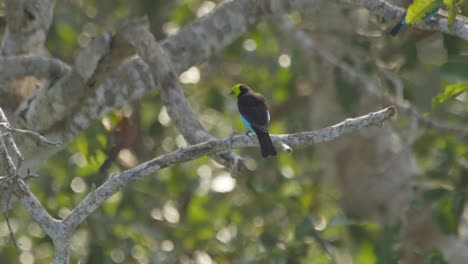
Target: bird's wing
[{"x": 254, "y": 109}]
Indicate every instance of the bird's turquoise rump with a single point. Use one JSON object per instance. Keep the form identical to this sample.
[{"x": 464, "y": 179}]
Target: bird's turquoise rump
[
  {"x": 403, "y": 23},
  {"x": 246, "y": 123}
]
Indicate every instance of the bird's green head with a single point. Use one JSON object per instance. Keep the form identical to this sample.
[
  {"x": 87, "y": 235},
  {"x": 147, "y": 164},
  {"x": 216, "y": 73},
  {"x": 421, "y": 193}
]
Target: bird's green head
[{"x": 239, "y": 89}]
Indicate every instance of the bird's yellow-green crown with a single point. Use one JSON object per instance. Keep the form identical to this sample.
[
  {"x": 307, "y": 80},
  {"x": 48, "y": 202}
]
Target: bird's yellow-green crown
[{"x": 236, "y": 89}]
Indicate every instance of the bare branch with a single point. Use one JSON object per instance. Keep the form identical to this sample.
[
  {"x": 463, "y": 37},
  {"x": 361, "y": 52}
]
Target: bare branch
[
  {"x": 12, "y": 236},
  {"x": 40, "y": 66},
  {"x": 27, "y": 24},
  {"x": 51, "y": 105},
  {"x": 36, "y": 210},
  {"x": 30, "y": 133},
  {"x": 115, "y": 182},
  {"x": 9, "y": 143},
  {"x": 61, "y": 251}
]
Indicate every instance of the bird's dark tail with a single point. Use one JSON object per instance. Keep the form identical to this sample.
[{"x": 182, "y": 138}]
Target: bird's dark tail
[
  {"x": 399, "y": 27},
  {"x": 113, "y": 153},
  {"x": 266, "y": 145}
]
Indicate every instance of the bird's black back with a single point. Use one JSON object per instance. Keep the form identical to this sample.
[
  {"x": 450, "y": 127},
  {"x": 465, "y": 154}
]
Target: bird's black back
[{"x": 253, "y": 107}]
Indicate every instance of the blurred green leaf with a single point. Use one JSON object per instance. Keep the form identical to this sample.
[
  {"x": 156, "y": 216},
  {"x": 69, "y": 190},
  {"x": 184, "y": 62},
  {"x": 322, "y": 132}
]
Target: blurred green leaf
[
  {"x": 450, "y": 91},
  {"x": 445, "y": 215},
  {"x": 435, "y": 257},
  {"x": 453, "y": 10}
]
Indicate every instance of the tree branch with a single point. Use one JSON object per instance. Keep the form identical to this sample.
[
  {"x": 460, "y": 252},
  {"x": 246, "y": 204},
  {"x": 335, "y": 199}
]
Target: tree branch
[
  {"x": 191, "y": 45},
  {"x": 115, "y": 182},
  {"x": 53, "y": 104},
  {"x": 14, "y": 181},
  {"x": 61, "y": 231},
  {"x": 28, "y": 22},
  {"x": 35, "y": 209},
  {"x": 33, "y": 134},
  {"x": 13, "y": 67}
]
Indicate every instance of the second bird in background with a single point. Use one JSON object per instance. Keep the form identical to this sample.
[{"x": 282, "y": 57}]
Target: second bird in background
[
  {"x": 432, "y": 8},
  {"x": 254, "y": 114}
]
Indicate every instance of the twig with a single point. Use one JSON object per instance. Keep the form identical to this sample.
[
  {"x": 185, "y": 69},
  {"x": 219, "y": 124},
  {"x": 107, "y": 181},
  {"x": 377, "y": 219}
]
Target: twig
[
  {"x": 36, "y": 135},
  {"x": 15, "y": 180},
  {"x": 35, "y": 209},
  {"x": 7, "y": 217}
]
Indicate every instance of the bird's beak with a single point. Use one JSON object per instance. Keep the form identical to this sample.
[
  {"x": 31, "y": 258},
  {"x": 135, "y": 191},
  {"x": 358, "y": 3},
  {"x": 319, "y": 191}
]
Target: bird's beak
[{"x": 231, "y": 93}]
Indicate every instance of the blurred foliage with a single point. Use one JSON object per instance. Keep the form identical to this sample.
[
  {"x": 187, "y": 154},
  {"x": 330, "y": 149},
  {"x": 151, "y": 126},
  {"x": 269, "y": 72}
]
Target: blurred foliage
[
  {"x": 454, "y": 9},
  {"x": 281, "y": 210},
  {"x": 450, "y": 91}
]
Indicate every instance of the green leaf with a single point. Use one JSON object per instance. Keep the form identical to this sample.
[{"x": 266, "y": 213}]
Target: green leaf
[
  {"x": 450, "y": 91},
  {"x": 418, "y": 10}
]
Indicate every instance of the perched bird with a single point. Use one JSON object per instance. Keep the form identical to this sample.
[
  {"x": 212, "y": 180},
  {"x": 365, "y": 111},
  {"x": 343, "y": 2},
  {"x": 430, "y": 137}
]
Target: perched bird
[
  {"x": 254, "y": 114},
  {"x": 404, "y": 23}
]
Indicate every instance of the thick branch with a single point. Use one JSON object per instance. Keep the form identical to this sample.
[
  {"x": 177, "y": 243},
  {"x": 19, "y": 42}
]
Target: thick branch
[
  {"x": 14, "y": 180},
  {"x": 98, "y": 196},
  {"x": 53, "y": 104},
  {"x": 36, "y": 210},
  {"x": 13, "y": 67},
  {"x": 8, "y": 144},
  {"x": 61, "y": 251},
  {"x": 27, "y": 24}
]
